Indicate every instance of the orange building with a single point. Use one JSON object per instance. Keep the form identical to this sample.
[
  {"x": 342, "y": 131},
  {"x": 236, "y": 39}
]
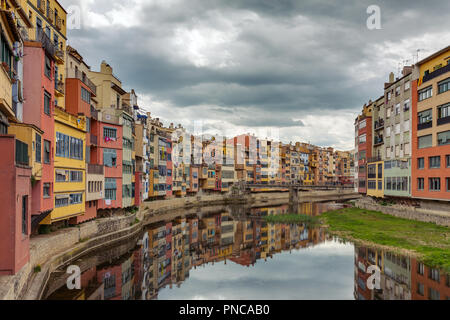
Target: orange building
[
  {"x": 431, "y": 127},
  {"x": 428, "y": 283}
]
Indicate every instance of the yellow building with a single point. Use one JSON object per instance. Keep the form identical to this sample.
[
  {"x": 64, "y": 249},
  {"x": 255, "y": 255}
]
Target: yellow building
[
  {"x": 28, "y": 134},
  {"x": 70, "y": 167},
  {"x": 49, "y": 20},
  {"x": 10, "y": 36},
  {"x": 375, "y": 179}
]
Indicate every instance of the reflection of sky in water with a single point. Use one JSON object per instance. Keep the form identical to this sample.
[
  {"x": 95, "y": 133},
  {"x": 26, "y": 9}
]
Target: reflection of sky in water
[{"x": 325, "y": 271}]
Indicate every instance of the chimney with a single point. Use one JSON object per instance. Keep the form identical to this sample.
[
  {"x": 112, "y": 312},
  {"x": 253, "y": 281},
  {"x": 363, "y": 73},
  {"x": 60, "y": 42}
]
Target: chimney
[
  {"x": 407, "y": 70},
  {"x": 391, "y": 77}
]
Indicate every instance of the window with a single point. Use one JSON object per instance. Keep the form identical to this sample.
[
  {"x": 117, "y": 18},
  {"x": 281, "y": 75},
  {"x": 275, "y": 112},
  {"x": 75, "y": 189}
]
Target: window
[
  {"x": 362, "y": 124},
  {"x": 444, "y": 85},
  {"x": 76, "y": 148},
  {"x": 421, "y": 163},
  {"x": 48, "y": 68},
  {"x": 61, "y": 201},
  {"x": 61, "y": 175},
  {"x": 407, "y": 85},
  {"x": 447, "y": 184},
  {"x": 110, "y": 157},
  {"x": 406, "y": 105},
  {"x": 420, "y": 184},
  {"x": 435, "y": 184},
  {"x": 46, "y": 190},
  {"x": 76, "y": 176},
  {"x": 76, "y": 198},
  {"x": 425, "y": 116},
  {"x": 447, "y": 157},
  {"x": 434, "y": 275},
  {"x": 397, "y": 91},
  {"x": 444, "y": 138},
  {"x": 435, "y": 162},
  {"x": 362, "y": 139},
  {"x": 372, "y": 185},
  {"x": 46, "y": 151},
  {"x": 444, "y": 111},
  {"x": 420, "y": 268},
  {"x": 425, "y": 141},
  {"x": 47, "y": 102},
  {"x": 110, "y": 132},
  {"x": 397, "y": 109},
  {"x": 25, "y": 215},
  {"x": 85, "y": 95},
  {"x": 426, "y": 93},
  {"x": 62, "y": 145},
  {"x": 420, "y": 289},
  {"x": 38, "y": 148},
  {"x": 433, "y": 294}
]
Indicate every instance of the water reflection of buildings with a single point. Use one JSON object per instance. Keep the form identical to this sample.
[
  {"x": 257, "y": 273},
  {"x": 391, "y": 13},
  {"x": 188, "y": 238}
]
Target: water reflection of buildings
[
  {"x": 402, "y": 277},
  {"x": 168, "y": 251}
]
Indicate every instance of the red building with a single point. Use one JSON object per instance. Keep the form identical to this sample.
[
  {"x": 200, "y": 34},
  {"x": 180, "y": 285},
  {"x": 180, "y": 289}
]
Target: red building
[
  {"x": 363, "y": 130},
  {"x": 80, "y": 97},
  {"x": 39, "y": 99},
  {"x": 428, "y": 283},
  {"x": 15, "y": 197}
]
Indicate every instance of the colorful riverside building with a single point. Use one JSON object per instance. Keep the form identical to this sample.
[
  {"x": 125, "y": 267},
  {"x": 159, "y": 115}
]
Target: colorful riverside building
[
  {"x": 114, "y": 117},
  {"x": 37, "y": 128},
  {"x": 49, "y": 20},
  {"x": 80, "y": 100},
  {"x": 70, "y": 167},
  {"x": 363, "y": 142},
  {"x": 18, "y": 159},
  {"x": 431, "y": 127},
  {"x": 396, "y": 138}
]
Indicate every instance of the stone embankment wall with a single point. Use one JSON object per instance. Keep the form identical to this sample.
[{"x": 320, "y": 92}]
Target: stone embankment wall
[{"x": 434, "y": 213}]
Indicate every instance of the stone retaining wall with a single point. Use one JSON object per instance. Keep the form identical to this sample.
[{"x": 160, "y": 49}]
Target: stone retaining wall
[{"x": 407, "y": 212}]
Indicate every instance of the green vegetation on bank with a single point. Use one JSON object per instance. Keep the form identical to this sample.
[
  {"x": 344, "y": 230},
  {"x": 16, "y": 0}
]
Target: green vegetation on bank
[
  {"x": 429, "y": 241},
  {"x": 291, "y": 219}
]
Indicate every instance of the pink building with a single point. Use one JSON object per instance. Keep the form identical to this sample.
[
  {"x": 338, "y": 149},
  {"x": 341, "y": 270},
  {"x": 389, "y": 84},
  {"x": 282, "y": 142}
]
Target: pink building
[
  {"x": 39, "y": 99},
  {"x": 15, "y": 197},
  {"x": 109, "y": 154}
]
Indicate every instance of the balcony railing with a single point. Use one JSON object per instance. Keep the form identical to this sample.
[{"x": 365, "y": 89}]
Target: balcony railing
[
  {"x": 444, "y": 120},
  {"x": 51, "y": 15},
  {"x": 95, "y": 169},
  {"x": 59, "y": 86},
  {"x": 374, "y": 159},
  {"x": 86, "y": 81},
  {"x": 425, "y": 125},
  {"x": 41, "y": 6},
  {"x": 59, "y": 54},
  {"x": 436, "y": 73},
  {"x": 379, "y": 124},
  {"x": 378, "y": 140},
  {"x": 47, "y": 44},
  {"x": 58, "y": 23}
]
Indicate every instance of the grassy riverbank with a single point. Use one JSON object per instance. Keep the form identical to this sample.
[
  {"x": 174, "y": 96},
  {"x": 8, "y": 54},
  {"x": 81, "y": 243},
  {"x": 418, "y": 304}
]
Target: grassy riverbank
[
  {"x": 291, "y": 219},
  {"x": 430, "y": 242}
]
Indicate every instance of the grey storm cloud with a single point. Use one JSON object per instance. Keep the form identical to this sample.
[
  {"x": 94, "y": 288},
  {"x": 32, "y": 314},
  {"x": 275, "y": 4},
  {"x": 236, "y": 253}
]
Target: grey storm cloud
[{"x": 258, "y": 62}]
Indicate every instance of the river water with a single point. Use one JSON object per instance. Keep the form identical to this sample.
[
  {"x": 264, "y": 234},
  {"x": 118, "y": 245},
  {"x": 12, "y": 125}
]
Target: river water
[{"x": 232, "y": 253}]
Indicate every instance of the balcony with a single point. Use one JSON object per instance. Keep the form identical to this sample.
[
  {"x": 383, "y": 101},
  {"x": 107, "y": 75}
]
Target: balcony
[
  {"x": 59, "y": 55},
  {"x": 41, "y": 6},
  {"x": 378, "y": 141},
  {"x": 374, "y": 159},
  {"x": 436, "y": 73},
  {"x": 379, "y": 124},
  {"x": 59, "y": 89},
  {"x": 95, "y": 169},
  {"x": 425, "y": 125},
  {"x": 51, "y": 15},
  {"x": 87, "y": 82},
  {"x": 94, "y": 140},
  {"x": 442, "y": 121},
  {"x": 47, "y": 44},
  {"x": 58, "y": 23}
]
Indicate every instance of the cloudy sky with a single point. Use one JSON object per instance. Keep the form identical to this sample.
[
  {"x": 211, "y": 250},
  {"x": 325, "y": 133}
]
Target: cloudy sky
[
  {"x": 325, "y": 271},
  {"x": 302, "y": 68}
]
